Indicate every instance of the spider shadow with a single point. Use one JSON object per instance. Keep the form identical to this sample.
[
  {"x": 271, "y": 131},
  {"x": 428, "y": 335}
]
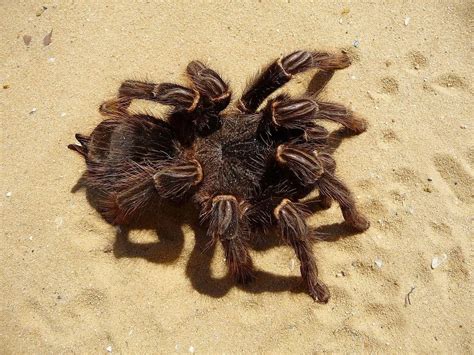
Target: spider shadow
[{"x": 167, "y": 221}]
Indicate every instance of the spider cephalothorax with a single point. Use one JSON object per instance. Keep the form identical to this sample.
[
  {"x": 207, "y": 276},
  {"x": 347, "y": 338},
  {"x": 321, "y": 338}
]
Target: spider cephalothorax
[{"x": 246, "y": 169}]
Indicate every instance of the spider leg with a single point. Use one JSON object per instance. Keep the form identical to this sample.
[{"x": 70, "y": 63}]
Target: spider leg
[
  {"x": 302, "y": 162},
  {"x": 175, "y": 179},
  {"x": 340, "y": 114},
  {"x": 286, "y": 113},
  {"x": 182, "y": 98},
  {"x": 332, "y": 188},
  {"x": 281, "y": 71},
  {"x": 290, "y": 218},
  {"x": 227, "y": 226},
  {"x": 213, "y": 89}
]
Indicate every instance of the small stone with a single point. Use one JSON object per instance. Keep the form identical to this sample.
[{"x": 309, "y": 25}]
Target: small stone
[
  {"x": 59, "y": 222},
  {"x": 63, "y": 114},
  {"x": 356, "y": 43},
  {"x": 51, "y": 60},
  {"x": 40, "y": 11},
  {"x": 378, "y": 263},
  {"x": 27, "y": 39},
  {"x": 430, "y": 179},
  {"x": 5, "y": 86},
  {"x": 345, "y": 11},
  {"x": 191, "y": 349},
  {"x": 438, "y": 260},
  {"x": 109, "y": 349},
  {"x": 8, "y": 194},
  {"x": 463, "y": 126},
  {"x": 33, "y": 110},
  {"x": 291, "y": 264},
  {"x": 340, "y": 21},
  {"x": 340, "y": 274},
  {"x": 48, "y": 39},
  {"x": 407, "y": 21}
]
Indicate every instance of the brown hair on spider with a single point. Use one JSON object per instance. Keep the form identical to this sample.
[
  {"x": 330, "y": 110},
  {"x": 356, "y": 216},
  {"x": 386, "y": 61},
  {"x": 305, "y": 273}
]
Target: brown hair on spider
[{"x": 246, "y": 169}]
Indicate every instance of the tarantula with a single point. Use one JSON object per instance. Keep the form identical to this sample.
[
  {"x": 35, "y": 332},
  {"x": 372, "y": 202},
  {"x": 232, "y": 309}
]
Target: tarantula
[{"x": 246, "y": 169}]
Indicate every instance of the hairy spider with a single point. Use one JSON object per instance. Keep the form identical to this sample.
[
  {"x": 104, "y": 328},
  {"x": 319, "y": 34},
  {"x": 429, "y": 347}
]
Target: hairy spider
[{"x": 246, "y": 169}]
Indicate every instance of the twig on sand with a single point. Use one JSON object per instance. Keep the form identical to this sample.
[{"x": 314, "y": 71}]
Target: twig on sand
[{"x": 407, "y": 297}]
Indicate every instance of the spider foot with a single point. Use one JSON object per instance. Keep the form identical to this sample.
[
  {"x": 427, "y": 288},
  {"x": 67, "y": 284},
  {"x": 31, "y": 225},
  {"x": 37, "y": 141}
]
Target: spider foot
[
  {"x": 355, "y": 219},
  {"x": 319, "y": 291}
]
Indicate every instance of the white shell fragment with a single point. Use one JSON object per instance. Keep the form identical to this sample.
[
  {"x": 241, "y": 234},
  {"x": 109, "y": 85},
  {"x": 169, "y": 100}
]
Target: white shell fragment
[
  {"x": 378, "y": 263},
  {"x": 109, "y": 349},
  {"x": 407, "y": 21},
  {"x": 438, "y": 260}
]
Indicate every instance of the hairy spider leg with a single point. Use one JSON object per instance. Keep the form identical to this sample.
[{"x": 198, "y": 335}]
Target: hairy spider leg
[
  {"x": 214, "y": 90},
  {"x": 282, "y": 70},
  {"x": 227, "y": 224},
  {"x": 293, "y": 229}
]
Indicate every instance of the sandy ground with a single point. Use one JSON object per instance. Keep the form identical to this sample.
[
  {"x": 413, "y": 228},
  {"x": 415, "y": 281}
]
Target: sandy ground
[{"x": 71, "y": 283}]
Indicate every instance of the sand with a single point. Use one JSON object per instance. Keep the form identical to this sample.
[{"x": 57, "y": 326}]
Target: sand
[{"x": 71, "y": 283}]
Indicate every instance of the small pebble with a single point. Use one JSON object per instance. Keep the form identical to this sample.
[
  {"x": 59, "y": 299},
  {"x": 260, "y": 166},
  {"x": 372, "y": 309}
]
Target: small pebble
[
  {"x": 33, "y": 110},
  {"x": 340, "y": 274},
  {"x": 356, "y": 43},
  {"x": 27, "y": 39},
  {"x": 430, "y": 179},
  {"x": 340, "y": 21},
  {"x": 8, "y": 194},
  {"x": 40, "y": 11},
  {"x": 463, "y": 126},
  {"x": 438, "y": 260},
  {"x": 292, "y": 264},
  {"x": 345, "y": 11},
  {"x": 63, "y": 114},
  {"x": 407, "y": 20},
  {"x": 51, "y": 60},
  {"x": 191, "y": 349},
  {"x": 378, "y": 263},
  {"x": 109, "y": 349},
  {"x": 48, "y": 39},
  {"x": 6, "y": 86},
  {"x": 59, "y": 222}
]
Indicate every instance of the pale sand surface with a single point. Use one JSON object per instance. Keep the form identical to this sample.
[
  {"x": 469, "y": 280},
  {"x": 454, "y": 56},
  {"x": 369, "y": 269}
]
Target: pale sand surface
[{"x": 68, "y": 286}]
